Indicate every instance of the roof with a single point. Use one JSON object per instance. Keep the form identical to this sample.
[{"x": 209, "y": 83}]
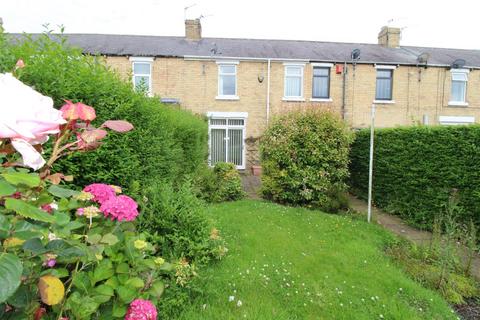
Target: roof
[{"x": 165, "y": 46}]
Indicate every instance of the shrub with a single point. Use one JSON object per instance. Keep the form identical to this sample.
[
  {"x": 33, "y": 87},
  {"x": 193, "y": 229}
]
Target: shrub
[
  {"x": 222, "y": 183},
  {"x": 305, "y": 159},
  {"x": 416, "y": 169},
  {"x": 167, "y": 144},
  {"x": 176, "y": 220},
  {"x": 66, "y": 253}
]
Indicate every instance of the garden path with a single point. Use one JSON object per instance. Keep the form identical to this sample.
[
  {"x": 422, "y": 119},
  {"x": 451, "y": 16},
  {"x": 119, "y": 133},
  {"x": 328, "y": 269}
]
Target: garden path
[{"x": 400, "y": 228}]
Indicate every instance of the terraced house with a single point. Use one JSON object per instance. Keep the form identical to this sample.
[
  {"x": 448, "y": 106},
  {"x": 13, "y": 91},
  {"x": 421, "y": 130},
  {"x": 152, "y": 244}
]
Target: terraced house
[{"x": 241, "y": 84}]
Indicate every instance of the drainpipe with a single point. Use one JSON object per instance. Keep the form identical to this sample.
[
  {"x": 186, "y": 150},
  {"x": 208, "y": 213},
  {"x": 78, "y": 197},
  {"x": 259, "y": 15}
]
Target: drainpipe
[
  {"x": 344, "y": 85},
  {"x": 268, "y": 89}
]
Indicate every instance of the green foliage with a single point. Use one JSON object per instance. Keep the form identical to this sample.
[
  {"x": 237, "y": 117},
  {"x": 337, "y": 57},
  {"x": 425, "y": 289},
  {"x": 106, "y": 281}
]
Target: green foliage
[
  {"x": 305, "y": 160},
  {"x": 416, "y": 168},
  {"x": 176, "y": 221},
  {"x": 222, "y": 183},
  {"x": 167, "y": 143},
  {"x": 104, "y": 264}
]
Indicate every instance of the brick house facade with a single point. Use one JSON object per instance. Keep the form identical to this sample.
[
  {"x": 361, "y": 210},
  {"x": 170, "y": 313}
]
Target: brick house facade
[{"x": 241, "y": 84}]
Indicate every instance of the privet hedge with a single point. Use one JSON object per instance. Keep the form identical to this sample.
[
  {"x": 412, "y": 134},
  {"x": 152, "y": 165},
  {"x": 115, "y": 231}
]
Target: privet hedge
[
  {"x": 167, "y": 143},
  {"x": 305, "y": 160},
  {"x": 417, "y": 168}
]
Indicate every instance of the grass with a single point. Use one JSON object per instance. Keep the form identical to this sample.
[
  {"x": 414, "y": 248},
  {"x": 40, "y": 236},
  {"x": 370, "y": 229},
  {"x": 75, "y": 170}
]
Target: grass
[{"x": 293, "y": 263}]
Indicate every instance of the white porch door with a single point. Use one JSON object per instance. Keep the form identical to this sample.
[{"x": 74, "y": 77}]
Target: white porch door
[{"x": 226, "y": 140}]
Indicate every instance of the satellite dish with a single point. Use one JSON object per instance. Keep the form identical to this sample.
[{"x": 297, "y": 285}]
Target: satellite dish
[
  {"x": 423, "y": 58},
  {"x": 355, "y": 55},
  {"x": 458, "y": 63}
]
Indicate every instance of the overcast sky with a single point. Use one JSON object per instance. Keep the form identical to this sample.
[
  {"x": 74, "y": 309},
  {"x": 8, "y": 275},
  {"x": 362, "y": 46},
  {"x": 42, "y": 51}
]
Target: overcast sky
[{"x": 433, "y": 23}]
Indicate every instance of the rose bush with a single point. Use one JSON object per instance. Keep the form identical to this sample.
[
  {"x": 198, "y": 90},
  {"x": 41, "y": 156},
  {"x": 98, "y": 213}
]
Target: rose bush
[{"x": 67, "y": 254}]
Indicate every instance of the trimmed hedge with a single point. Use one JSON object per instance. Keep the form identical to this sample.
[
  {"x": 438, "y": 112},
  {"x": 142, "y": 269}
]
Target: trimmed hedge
[
  {"x": 305, "y": 160},
  {"x": 417, "y": 168},
  {"x": 167, "y": 143}
]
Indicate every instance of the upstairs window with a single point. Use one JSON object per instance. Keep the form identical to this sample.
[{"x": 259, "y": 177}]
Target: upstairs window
[
  {"x": 321, "y": 83},
  {"x": 227, "y": 81},
  {"x": 459, "y": 87},
  {"x": 384, "y": 84},
  {"x": 293, "y": 82},
  {"x": 142, "y": 74}
]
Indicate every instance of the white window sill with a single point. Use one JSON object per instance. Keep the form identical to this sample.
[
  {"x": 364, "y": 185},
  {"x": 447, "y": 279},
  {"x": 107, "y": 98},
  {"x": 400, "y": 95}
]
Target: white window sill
[
  {"x": 384, "y": 101},
  {"x": 458, "y": 104},
  {"x": 321, "y": 100},
  {"x": 227, "y": 98},
  {"x": 297, "y": 99}
]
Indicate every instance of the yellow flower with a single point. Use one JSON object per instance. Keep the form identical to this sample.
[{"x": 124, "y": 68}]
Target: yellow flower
[
  {"x": 99, "y": 257},
  {"x": 140, "y": 244},
  {"x": 84, "y": 196},
  {"x": 116, "y": 188},
  {"x": 91, "y": 212},
  {"x": 214, "y": 234},
  {"x": 160, "y": 261},
  {"x": 12, "y": 242}
]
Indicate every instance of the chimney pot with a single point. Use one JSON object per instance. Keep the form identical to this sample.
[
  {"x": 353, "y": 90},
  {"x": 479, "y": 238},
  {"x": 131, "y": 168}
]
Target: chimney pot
[
  {"x": 389, "y": 37},
  {"x": 193, "y": 29}
]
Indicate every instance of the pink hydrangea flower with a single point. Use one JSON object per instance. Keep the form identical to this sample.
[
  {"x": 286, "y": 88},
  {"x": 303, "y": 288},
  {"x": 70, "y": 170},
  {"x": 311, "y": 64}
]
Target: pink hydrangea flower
[
  {"x": 101, "y": 192},
  {"x": 141, "y": 310},
  {"x": 121, "y": 208}
]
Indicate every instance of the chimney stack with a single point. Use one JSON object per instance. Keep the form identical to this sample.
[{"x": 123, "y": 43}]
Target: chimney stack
[
  {"x": 389, "y": 37},
  {"x": 193, "y": 29}
]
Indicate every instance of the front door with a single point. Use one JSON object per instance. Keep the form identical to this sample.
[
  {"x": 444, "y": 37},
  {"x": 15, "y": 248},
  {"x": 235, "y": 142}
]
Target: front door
[{"x": 226, "y": 141}]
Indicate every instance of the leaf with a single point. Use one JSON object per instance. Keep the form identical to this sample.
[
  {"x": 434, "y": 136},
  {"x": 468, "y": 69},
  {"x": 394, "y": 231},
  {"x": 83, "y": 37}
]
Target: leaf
[
  {"x": 10, "y": 272},
  {"x": 62, "y": 219},
  {"x": 81, "y": 281},
  {"x": 22, "y": 178},
  {"x": 157, "y": 289},
  {"x": 62, "y": 192},
  {"x": 27, "y": 210},
  {"x": 104, "y": 290},
  {"x": 103, "y": 271},
  {"x": 51, "y": 290},
  {"x": 118, "y": 125},
  {"x": 91, "y": 136},
  {"x": 119, "y": 310},
  {"x": 35, "y": 246},
  {"x": 135, "y": 282},
  {"x": 123, "y": 268},
  {"x": 59, "y": 273},
  {"x": 6, "y": 189},
  {"x": 126, "y": 294},
  {"x": 94, "y": 238},
  {"x": 109, "y": 239}
]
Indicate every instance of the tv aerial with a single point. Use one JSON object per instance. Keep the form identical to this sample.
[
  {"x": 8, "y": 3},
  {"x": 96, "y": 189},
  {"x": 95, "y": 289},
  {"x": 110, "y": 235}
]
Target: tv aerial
[{"x": 458, "y": 63}]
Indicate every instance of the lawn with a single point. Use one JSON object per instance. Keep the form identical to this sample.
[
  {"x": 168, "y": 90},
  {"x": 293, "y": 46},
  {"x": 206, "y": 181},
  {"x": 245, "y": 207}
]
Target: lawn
[{"x": 293, "y": 263}]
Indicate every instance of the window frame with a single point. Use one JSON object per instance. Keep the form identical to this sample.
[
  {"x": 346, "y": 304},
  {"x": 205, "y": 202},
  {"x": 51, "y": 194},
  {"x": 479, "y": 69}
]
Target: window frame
[
  {"x": 144, "y": 60},
  {"x": 329, "y": 70},
  {"x": 301, "y": 76},
  {"x": 463, "y": 72},
  {"x": 391, "y": 70},
  {"x": 228, "y": 116},
  {"x": 220, "y": 95}
]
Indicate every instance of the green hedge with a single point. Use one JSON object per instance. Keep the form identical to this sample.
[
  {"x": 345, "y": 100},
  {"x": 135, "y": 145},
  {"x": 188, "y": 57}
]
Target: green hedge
[
  {"x": 417, "y": 168},
  {"x": 167, "y": 143},
  {"x": 305, "y": 160}
]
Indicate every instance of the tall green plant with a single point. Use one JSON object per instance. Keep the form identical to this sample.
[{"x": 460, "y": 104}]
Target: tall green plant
[{"x": 305, "y": 159}]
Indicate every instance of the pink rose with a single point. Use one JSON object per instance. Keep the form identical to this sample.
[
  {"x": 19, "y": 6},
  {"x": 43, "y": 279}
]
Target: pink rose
[{"x": 27, "y": 118}]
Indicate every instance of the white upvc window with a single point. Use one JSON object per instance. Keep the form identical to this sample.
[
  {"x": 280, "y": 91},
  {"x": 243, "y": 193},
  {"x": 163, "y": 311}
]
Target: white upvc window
[
  {"x": 458, "y": 93},
  {"x": 142, "y": 73},
  {"x": 227, "y": 80},
  {"x": 293, "y": 83},
  {"x": 456, "y": 120},
  {"x": 226, "y": 137}
]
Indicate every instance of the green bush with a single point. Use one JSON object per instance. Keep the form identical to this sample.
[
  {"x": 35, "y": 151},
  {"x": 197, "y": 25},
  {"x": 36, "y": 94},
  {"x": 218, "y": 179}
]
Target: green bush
[
  {"x": 167, "y": 143},
  {"x": 305, "y": 160},
  {"x": 176, "y": 220},
  {"x": 222, "y": 183},
  {"x": 416, "y": 169}
]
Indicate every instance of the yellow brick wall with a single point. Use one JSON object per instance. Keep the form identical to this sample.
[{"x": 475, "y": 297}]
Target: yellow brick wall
[{"x": 416, "y": 92}]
